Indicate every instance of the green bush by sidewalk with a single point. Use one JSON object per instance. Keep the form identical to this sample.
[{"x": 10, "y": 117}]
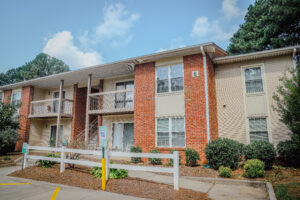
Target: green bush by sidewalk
[
  {"x": 113, "y": 173},
  {"x": 191, "y": 157},
  {"x": 136, "y": 149},
  {"x": 47, "y": 163},
  {"x": 261, "y": 150},
  {"x": 254, "y": 168},
  {"x": 225, "y": 172},
  {"x": 155, "y": 161}
]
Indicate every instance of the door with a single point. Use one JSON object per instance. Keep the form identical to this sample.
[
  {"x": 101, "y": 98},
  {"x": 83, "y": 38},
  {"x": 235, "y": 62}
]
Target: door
[
  {"x": 53, "y": 135},
  {"x": 56, "y": 102},
  {"x": 122, "y": 136}
]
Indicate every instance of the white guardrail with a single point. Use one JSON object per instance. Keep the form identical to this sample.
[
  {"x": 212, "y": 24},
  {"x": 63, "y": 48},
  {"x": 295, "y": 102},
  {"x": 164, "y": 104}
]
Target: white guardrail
[{"x": 108, "y": 154}]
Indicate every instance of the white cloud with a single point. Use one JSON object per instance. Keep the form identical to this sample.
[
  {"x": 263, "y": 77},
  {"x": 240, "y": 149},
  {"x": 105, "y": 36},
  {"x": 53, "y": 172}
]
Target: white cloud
[
  {"x": 175, "y": 43},
  {"x": 230, "y": 9},
  {"x": 61, "y": 46},
  {"x": 115, "y": 28},
  {"x": 204, "y": 28}
]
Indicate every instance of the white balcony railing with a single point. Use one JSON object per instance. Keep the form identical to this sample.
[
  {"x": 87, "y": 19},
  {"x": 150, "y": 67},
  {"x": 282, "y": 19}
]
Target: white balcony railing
[
  {"x": 49, "y": 108},
  {"x": 119, "y": 101}
]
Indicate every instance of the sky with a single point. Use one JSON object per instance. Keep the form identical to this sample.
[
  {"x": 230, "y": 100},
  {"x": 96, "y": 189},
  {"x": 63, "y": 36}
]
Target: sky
[{"x": 90, "y": 32}]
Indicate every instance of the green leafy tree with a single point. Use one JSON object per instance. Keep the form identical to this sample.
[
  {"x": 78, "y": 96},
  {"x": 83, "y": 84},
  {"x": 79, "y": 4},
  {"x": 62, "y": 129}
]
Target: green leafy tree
[
  {"x": 268, "y": 24},
  {"x": 42, "y": 65},
  {"x": 287, "y": 100},
  {"x": 8, "y": 128}
]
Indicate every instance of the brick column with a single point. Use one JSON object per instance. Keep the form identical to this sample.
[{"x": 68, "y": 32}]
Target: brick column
[
  {"x": 194, "y": 92},
  {"x": 79, "y": 106},
  {"x": 24, "y": 121},
  {"x": 7, "y": 96},
  {"x": 144, "y": 106}
]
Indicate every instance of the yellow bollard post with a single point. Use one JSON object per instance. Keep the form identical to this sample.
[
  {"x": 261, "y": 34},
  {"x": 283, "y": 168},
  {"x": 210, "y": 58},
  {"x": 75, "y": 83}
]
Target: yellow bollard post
[{"x": 103, "y": 174}]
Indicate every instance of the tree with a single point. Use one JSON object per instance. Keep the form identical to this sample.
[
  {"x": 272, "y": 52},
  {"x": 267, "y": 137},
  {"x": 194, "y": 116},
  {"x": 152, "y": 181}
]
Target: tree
[
  {"x": 287, "y": 99},
  {"x": 42, "y": 65},
  {"x": 268, "y": 24},
  {"x": 8, "y": 128}
]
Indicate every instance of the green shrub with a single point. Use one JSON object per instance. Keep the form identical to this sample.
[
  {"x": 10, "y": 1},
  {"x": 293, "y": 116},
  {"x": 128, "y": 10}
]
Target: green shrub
[
  {"x": 261, "y": 150},
  {"x": 224, "y": 152},
  {"x": 288, "y": 152},
  {"x": 136, "y": 150},
  {"x": 191, "y": 157},
  {"x": 47, "y": 163},
  {"x": 225, "y": 171},
  {"x": 155, "y": 161},
  {"x": 171, "y": 160},
  {"x": 113, "y": 173},
  {"x": 6, "y": 158},
  {"x": 282, "y": 192},
  {"x": 8, "y": 140},
  {"x": 254, "y": 168}
]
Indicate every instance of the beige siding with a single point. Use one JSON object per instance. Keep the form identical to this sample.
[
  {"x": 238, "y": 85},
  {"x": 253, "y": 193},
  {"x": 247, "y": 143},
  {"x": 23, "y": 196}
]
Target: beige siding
[
  {"x": 232, "y": 104},
  {"x": 40, "y": 130},
  {"x": 108, "y": 122}
]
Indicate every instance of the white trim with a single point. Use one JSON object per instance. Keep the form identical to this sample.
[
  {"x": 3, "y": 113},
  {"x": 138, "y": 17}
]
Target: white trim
[
  {"x": 267, "y": 123},
  {"x": 206, "y": 95}
]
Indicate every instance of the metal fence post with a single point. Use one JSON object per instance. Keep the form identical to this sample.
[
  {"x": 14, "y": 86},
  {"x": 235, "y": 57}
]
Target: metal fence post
[
  {"x": 25, "y": 158},
  {"x": 62, "y": 157},
  {"x": 107, "y": 164},
  {"x": 176, "y": 170}
]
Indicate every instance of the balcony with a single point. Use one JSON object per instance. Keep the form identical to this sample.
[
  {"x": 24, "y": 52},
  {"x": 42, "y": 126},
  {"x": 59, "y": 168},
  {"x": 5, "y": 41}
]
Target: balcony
[
  {"x": 49, "y": 108},
  {"x": 112, "y": 102}
]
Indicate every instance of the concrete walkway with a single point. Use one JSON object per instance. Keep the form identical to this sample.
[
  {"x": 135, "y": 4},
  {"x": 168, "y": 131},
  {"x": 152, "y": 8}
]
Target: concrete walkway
[
  {"x": 38, "y": 190},
  {"x": 215, "y": 190}
]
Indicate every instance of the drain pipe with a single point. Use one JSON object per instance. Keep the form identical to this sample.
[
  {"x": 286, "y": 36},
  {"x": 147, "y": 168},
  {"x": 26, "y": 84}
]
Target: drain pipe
[
  {"x": 206, "y": 94},
  {"x": 294, "y": 58}
]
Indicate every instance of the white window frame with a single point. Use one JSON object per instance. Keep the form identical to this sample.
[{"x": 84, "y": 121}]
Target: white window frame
[
  {"x": 262, "y": 77},
  {"x": 267, "y": 123},
  {"x": 170, "y": 132},
  {"x": 169, "y": 78},
  {"x": 14, "y": 92}
]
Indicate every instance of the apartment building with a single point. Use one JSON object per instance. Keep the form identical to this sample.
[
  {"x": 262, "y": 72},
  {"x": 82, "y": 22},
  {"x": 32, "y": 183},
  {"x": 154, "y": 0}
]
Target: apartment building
[{"x": 176, "y": 99}]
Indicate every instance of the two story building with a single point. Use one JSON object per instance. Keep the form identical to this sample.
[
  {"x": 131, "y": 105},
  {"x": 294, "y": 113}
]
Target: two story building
[{"x": 175, "y": 99}]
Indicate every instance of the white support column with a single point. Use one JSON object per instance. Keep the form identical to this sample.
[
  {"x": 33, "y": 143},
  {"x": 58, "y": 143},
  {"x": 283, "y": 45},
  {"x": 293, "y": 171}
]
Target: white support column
[
  {"x": 62, "y": 157},
  {"x": 59, "y": 112},
  {"x": 176, "y": 170},
  {"x": 87, "y": 117}
]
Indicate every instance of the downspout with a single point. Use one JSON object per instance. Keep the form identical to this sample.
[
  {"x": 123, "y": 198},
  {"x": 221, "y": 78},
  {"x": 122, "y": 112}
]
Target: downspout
[
  {"x": 206, "y": 94},
  {"x": 294, "y": 58}
]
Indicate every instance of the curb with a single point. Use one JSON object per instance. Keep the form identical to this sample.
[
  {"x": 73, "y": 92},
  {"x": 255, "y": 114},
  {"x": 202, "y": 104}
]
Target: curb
[{"x": 267, "y": 185}]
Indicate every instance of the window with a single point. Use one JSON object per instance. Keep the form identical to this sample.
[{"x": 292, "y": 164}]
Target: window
[
  {"x": 124, "y": 99},
  {"x": 253, "y": 79},
  {"x": 258, "y": 129},
  {"x": 170, "y": 132},
  {"x": 169, "y": 78},
  {"x": 1, "y": 96},
  {"x": 16, "y": 98}
]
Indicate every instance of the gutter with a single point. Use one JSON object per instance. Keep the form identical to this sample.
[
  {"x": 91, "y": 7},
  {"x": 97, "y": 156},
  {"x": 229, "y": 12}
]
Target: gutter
[{"x": 206, "y": 94}]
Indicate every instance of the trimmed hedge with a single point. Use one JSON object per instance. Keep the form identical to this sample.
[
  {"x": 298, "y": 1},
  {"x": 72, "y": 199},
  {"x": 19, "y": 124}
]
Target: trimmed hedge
[
  {"x": 224, "y": 152},
  {"x": 289, "y": 153},
  {"x": 191, "y": 157},
  {"x": 261, "y": 150},
  {"x": 155, "y": 161},
  {"x": 136, "y": 150},
  {"x": 225, "y": 172},
  {"x": 254, "y": 168}
]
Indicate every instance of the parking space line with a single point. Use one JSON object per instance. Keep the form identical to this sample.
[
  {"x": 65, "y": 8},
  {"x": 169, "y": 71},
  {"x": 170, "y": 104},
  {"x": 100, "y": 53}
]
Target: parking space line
[
  {"x": 55, "y": 194},
  {"x": 14, "y": 183}
]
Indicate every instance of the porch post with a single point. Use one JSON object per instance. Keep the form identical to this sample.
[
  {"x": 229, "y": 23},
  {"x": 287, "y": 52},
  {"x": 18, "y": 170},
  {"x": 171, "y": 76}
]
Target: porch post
[
  {"x": 59, "y": 112},
  {"x": 87, "y": 117}
]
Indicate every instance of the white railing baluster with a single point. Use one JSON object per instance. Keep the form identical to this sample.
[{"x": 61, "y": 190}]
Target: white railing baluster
[
  {"x": 25, "y": 158},
  {"x": 176, "y": 170}
]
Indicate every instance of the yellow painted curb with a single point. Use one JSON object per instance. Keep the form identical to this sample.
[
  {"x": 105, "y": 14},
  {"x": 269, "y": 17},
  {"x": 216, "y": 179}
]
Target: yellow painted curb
[
  {"x": 55, "y": 194},
  {"x": 14, "y": 183}
]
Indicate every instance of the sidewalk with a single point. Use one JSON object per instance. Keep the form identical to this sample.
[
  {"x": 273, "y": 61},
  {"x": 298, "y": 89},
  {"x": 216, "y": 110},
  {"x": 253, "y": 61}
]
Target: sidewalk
[
  {"x": 38, "y": 190},
  {"x": 217, "y": 191}
]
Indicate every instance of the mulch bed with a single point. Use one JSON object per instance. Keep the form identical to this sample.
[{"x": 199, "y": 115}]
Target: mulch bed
[
  {"x": 81, "y": 177},
  {"x": 13, "y": 156}
]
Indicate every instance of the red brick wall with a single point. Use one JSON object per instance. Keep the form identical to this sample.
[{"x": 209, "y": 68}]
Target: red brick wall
[
  {"x": 7, "y": 96},
  {"x": 212, "y": 99},
  {"x": 195, "y": 116},
  {"x": 79, "y": 110},
  {"x": 144, "y": 106},
  {"x": 24, "y": 121}
]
